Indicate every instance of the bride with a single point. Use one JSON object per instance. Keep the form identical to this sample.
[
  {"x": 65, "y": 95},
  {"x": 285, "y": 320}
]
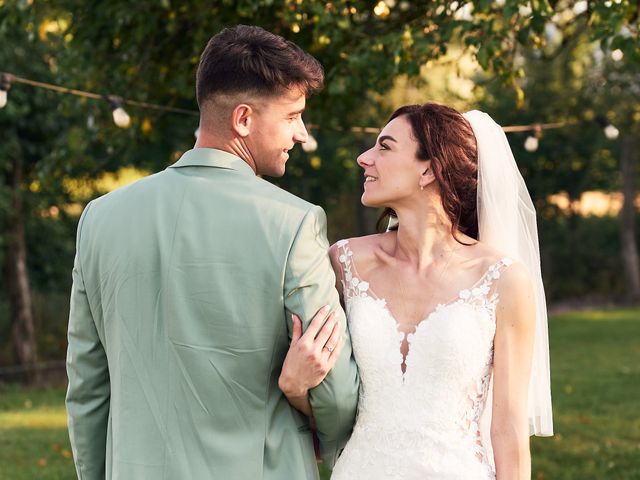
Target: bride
[{"x": 446, "y": 308}]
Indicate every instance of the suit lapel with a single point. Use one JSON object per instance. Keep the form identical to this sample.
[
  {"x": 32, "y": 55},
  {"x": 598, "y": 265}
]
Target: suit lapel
[{"x": 211, "y": 157}]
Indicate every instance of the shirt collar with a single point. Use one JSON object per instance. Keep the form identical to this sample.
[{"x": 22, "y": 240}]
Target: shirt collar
[{"x": 211, "y": 157}]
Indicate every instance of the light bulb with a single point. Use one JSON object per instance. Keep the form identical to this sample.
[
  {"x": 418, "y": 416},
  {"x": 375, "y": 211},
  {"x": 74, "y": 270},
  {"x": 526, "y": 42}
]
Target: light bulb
[
  {"x": 611, "y": 132},
  {"x": 617, "y": 55},
  {"x": 121, "y": 118},
  {"x": 311, "y": 145},
  {"x": 5, "y": 85},
  {"x": 531, "y": 144}
]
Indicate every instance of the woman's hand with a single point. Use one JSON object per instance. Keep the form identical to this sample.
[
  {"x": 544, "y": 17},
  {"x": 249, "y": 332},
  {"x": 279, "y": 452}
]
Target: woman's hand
[{"x": 310, "y": 358}]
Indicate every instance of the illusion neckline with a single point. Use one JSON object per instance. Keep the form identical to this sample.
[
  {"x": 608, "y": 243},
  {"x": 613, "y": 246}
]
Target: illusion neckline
[
  {"x": 482, "y": 285},
  {"x": 452, "y": 300},
  {"x": 408, "y": 336}
]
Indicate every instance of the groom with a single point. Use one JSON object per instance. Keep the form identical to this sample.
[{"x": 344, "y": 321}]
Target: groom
[{"x": 183, "y": 288}]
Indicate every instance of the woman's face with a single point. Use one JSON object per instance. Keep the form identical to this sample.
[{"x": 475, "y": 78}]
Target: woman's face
[{"x": 392, "y": 171}]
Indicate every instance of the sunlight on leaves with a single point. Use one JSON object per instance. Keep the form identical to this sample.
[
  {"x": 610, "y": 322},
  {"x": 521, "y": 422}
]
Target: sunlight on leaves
[{"x": 81, "y": 189}]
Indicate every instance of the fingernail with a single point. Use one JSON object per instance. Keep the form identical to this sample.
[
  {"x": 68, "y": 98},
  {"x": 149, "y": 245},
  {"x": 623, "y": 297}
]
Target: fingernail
[{"x": 326, "y": 307}]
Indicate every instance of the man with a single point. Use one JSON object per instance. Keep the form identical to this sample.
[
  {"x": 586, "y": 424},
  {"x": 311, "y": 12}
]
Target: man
[{"x": 184, "y": 284}]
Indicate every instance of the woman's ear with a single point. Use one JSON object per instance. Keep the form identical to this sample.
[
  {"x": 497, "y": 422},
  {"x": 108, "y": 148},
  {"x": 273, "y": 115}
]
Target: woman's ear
[
  {"x": 426, "y": 176},
  {"x": 242, "y": 119}
]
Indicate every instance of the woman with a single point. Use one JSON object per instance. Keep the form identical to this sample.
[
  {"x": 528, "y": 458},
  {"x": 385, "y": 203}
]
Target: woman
[{"x": 446, "y": 309}]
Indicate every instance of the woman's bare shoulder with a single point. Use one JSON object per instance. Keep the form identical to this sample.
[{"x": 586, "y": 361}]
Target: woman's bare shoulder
[
  {"x": 484, "y": 255},
  {"x": 364, "y": 249},
  {"x": 514, "y": 279}
]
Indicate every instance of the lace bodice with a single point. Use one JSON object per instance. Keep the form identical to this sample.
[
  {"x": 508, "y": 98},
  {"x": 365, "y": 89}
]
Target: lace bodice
[{"x": 423, "y": 422}]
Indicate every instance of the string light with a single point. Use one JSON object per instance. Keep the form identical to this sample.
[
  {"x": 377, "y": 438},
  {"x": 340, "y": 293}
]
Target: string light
[
  {"x": 534, "y": 127},
  {"x": 610, "y": 131},
  {"x": 533, "y": 141},
  {"x": 311, "y": 145},
  {"x": 5, "y": 85},
  {"x": 617, "y": 55},
  {"x": 120, "y": 116},
  {"x": 122, "y": 119},
  {"x": 95, "y": 96}
]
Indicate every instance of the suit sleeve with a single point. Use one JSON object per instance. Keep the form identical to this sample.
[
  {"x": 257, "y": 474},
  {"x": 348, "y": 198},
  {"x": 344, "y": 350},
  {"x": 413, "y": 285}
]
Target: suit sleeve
[
  {"x": 88, "y": 393},
  {"x": 309, "y": 285}
]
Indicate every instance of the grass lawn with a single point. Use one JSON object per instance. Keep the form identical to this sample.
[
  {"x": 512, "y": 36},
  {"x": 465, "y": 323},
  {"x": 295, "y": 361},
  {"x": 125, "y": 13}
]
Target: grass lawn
[
  {"x": 595, "y": 375},
  {"x": 33, "y": 435},
  {"x": 595, "y": 359}
]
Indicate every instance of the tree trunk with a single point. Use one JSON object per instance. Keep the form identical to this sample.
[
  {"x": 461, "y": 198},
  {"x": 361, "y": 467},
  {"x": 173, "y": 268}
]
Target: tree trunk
[
  {"x": 630, "y": 261},
  {"x": 17, "y": 278}
]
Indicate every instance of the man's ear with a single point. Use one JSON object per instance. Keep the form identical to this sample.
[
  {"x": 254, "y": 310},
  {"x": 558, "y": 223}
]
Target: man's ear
[{"x": 242, "y": 119}]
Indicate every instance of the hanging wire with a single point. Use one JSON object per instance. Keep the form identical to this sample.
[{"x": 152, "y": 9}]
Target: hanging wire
[
  {"x": 117, "y": 102},
  {"x": 96, "y": 96}
]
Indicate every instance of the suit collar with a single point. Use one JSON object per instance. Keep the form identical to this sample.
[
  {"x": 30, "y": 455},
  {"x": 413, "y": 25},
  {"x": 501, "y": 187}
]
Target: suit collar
[{"x": 211, "y": 157}]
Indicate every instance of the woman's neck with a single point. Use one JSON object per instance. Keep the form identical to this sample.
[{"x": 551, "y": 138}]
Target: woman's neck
[{"x": 424, "y": 236}]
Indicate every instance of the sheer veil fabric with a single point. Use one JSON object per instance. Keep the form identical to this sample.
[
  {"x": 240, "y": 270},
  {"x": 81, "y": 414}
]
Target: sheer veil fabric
[{"x": 507, "y": 222}]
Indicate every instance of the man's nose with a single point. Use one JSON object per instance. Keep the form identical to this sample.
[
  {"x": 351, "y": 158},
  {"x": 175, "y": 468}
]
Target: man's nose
[{"x": 301, "y": 135}]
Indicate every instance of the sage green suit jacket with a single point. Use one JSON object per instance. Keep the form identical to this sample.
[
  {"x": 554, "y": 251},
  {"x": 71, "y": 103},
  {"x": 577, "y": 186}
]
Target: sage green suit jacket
[{"x": 183, "y": 287}]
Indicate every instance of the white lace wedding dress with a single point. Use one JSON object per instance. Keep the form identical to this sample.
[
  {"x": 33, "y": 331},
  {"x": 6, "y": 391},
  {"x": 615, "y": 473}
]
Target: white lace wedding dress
[{"x": 423, "y": 423}]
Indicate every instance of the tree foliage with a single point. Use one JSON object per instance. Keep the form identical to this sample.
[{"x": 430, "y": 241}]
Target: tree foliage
[{"x": 149, "y": 51}]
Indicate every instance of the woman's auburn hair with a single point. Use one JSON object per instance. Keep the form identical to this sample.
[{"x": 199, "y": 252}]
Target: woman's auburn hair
[{"x": 446, "y": 139}]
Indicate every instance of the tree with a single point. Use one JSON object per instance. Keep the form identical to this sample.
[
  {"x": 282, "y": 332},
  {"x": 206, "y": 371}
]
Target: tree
[
  {"x": 149, "y": 51},
  {"x": 572, "y": 79},
  {"x": 46, "y": 140},
  {"x": 32, "y": 128},
  {"x": 615, "y": 86}
]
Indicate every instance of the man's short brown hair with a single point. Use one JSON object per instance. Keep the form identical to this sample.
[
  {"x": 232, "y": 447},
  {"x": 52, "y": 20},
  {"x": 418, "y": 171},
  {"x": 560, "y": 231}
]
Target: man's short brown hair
[{"x": 250, "y": 59}]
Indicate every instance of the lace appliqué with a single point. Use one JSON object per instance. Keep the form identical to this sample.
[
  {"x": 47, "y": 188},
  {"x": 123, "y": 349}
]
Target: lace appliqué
[
  {"x": 470, "y": 422},
  {"x": 425, "y": 422},
  {"x": 352, "y": 286},
  {"x": 479, "y": 294}
]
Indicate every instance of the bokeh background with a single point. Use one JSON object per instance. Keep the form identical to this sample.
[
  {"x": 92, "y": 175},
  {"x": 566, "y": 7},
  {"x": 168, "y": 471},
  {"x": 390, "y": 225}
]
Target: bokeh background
[{"x": 562, "y": 76}]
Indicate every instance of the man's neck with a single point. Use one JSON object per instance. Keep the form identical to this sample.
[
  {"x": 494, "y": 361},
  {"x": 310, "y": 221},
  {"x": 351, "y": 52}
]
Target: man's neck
[{"x": 234, "y": 146}]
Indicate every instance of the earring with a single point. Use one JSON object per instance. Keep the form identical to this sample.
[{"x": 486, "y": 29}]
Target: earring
[{"x": 421, "y": 187}]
